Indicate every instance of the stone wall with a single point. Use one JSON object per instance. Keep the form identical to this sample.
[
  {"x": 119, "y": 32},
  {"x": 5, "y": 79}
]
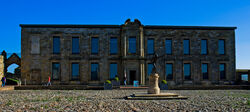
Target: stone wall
[{"x": 1, "y": 68}]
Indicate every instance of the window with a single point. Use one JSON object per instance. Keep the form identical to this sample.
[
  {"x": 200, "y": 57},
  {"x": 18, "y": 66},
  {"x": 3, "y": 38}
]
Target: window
[
  {"x": 150, "y": 68},
  {"x": 168, "y": 45},
  {"x": 221, "y": 46},
  {"x": 132, "y": 45},
  {"x": 94, "y": 45},
  {"x": 222, "y": 71},
  {"x": 94, "y": 71},
  {"x": 75, "y": 45},
  {"x": 112, "y": 70},
  {"x": 75, "y": 71},
  {"x": 204, "y": 70},
  {"x": 35, "y": 45},
  {"x": 56, "y": 45},
  {"x": 169, "y": 71},
  {"x": 55, "y": 71},
  {"x": 186, "y": 46},
  {"x": 203, "y": 46},
  {"x": 150, "y": 46},
  {"x": 187, "y": 71},
  {"x": 113, "y": 45}
]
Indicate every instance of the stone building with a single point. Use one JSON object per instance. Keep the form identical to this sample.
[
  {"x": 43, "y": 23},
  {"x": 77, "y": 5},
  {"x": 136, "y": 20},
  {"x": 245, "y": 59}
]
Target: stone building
[{"x": 91, "y": 54}]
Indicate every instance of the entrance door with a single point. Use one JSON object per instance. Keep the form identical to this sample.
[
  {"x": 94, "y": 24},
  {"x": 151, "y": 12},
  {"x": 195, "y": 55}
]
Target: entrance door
[{"x": 132, "y": 76}]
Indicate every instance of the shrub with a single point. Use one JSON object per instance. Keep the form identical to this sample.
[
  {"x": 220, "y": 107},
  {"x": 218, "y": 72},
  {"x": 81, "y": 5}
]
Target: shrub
[
  {"x": 108, "y": 81},
  {"x": 116, "y": 79},
  {"x": 164, "y": 81}
]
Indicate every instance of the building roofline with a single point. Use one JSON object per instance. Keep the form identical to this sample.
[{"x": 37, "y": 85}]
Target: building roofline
[{"x": 118, "y": 26}]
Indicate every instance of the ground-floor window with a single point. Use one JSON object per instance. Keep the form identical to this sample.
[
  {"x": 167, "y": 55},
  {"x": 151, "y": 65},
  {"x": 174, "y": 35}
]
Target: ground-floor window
[
  {"x": 187, "y": 71},
  {"x": 169, "y": 71},
  {"x": 112, "y": 70},
  {"x": 150, "y": 68},
  {"x": 75, "y": 71},
  {"x": 222, "y": 71},
  {"x": 94, "y": 71},
  {"x": 55, "y": 71},
  {"x": 204, "y": 70}
]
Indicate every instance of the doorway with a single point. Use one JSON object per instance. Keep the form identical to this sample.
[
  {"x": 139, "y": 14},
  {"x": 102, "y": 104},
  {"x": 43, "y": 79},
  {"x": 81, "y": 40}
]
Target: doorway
[{"x": 132, "y": 76}]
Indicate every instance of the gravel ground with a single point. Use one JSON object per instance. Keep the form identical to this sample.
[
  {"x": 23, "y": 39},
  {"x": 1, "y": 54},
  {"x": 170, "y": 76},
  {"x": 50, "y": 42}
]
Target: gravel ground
[{"x": 112, "y": 101}]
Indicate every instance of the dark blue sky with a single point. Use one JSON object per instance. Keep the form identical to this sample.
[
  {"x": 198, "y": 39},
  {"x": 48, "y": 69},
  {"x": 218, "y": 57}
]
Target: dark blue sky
[{"x": 149, "y": 12}]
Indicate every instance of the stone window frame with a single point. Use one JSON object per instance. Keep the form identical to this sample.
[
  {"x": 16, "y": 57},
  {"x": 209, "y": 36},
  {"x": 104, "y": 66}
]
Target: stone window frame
[
  {"x": 172, "y": 45},
  {"x": 146, "y": 45},
  {"x": 30, "y": 41},
  {"x": 118, "y": 45},
  {"x": 51, "y": 71},
  {"x": 71, "y": 40},
  {"x": 173, "y": 70},
  {"x": 98, "y": 74},
  {"x": 191, "y": 68},
  {"x": 189, "y": 46},
  {"x": 201, "y": 46},
  {"x": 118, "y": 65},
  {"x": 226, "y": 73},
  {"x": 70, "y": 69},
  {"x": 136, "y": 46},
  {"x": 225, "y": 50},
  {"x": 51, "y": 43},
  {"x": 90, "y": 44},
  {"x": 208, "y": 70}
]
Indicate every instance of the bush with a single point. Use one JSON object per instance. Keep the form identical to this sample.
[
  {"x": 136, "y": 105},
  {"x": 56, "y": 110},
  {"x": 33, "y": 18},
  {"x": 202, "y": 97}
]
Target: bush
[
  {"x": 116, "y": 79},
  {"x": 164, "y": 81},
  {"x": 108, "y": 81}
]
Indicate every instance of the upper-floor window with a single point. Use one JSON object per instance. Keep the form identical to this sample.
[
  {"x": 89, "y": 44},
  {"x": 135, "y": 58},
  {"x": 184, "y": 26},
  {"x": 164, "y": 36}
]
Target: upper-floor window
[
  {"x": 56, "y": 45},
  {"x": 150, "y": 68},
  {"x": 169, "y": 71},
  {"x": 94, "y": 71},
  {"x": 168, "y": 45},
  {"x": 221, "y": 46},
  {"x": 55, "y": 71},
  {"x": 75, "y": 45},
  {"x": 222, "y": 71},
  {"x": 113, "y": 45},
  {"x": 35, "y": 45},
  {"x": 204, "y": 70},
  {"x": 150, "y": 46},
  {"x": 132, "y": 45},
  {"x": 75, "y": 71},
  {"x": 187, "y": 71},
  {"x": 112, "y": 70},
  {"x": 94, "y": 45},
  {"x": 203, "y": 46},
  {"x": 186, "y": 46}
]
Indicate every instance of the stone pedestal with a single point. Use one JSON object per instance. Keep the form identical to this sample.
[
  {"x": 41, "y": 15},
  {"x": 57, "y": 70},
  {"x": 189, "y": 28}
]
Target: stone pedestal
[{"x": 153, "y": 84}]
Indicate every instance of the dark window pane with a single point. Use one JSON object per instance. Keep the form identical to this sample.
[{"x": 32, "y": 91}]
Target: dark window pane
[
  {"x": 222, "y": 71},
  {"x": 55, "y": 71},
  {"x": 94, "y": 71},
  {"x": 204, "y": 69},
  {"x": 113, "y": 45},
  {"x": 186, "y": 46},
  {"x": 187, "y": 71},
  {"x": 113, "y": 70},
  {"x": 56, "y": 45},
  {"x": 203, "y": 46},
  {"x": 168, "y": 46},
  {"x": 169, "y": 71},
  {"x": 150, "y": 46},
  {"x": 132, "y": 45},
  {"x": 221, "y": 46},
  {"x": 150, "y": 68},
  {"x": 75, "y": 71},
  {"x": 75, "y": 45},
  {"x": 94, "y": 45}
]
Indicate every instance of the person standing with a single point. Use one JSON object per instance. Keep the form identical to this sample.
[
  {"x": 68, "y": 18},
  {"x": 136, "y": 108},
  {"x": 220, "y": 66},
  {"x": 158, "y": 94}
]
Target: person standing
[
  {"x": 3, "y": 81},
  {"x": 125, "y": 81},
  {"x": 49, "y": 83}
]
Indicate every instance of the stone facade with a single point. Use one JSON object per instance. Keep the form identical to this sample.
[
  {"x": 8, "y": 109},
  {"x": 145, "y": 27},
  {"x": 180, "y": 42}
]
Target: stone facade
[
  {"x": 1, "y": 68},
  {"x": 37, "y": 54}
]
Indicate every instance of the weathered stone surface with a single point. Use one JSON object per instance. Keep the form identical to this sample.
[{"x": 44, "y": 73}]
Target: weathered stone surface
[{"x": 153, "y": 84}]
